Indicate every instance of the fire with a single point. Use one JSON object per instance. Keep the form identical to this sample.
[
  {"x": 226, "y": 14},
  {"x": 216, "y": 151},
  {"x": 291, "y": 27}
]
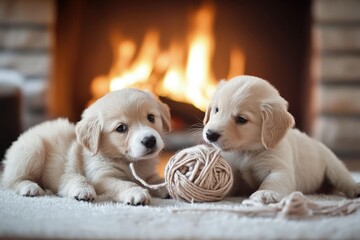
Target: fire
[
  {"x": 139, "y": 72},
  {"x": 165, "y": 72}
]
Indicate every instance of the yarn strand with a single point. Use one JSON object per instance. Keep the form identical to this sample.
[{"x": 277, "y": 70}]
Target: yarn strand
[
  {"x": 142, "y": 181},
  {"x": 295, "y": 205}
]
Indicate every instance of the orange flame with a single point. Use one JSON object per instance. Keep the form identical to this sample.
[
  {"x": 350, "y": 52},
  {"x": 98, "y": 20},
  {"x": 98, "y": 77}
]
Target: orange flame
[{"x": 163, "y": 72}]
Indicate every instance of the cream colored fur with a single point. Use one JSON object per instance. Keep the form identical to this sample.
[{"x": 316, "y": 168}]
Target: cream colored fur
[
  {"x": 269, "y": 158},
  {"x": 92, "y": 158}
]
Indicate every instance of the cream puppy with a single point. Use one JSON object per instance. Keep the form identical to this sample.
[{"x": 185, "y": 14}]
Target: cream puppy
[
  {"x": 249, "y": 121},
  {"x": 93, "y": 157}
]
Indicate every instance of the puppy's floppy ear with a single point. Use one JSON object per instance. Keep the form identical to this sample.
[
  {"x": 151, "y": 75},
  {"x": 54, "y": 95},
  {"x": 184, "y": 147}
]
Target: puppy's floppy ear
[
  {"x": 276, "y": 121},
  {"x": 88, "y": 132},
  {"x": 165, "y": 116}
]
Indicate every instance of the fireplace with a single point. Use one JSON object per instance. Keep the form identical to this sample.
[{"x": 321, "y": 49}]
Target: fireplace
[{"x": 179, "y": 50}]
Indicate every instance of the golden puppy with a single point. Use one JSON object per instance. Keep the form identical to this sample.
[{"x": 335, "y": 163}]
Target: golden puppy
[
  {"x": 93, "y": 157},
  {"x": 249, "y": 121}
]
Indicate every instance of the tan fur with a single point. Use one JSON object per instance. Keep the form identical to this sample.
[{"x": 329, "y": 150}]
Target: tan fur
[
  {"x": 269, "y": 159},
  {"x": 92, "y": 158}
]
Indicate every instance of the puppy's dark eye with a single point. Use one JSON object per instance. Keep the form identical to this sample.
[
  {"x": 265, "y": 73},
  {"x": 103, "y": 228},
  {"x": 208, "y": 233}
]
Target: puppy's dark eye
[
  {"x": 240, "y": 120},
  {"x": 151, "y": 118},
  {"x": 216, "y": 110},
  {"x": 121, "y": 128}
]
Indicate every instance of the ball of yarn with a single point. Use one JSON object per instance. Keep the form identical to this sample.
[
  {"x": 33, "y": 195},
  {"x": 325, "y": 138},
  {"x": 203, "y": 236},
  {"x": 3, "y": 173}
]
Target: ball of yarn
[{"x": 198, "y": 174}]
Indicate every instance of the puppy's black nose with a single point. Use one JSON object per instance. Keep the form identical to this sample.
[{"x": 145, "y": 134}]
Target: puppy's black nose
[
  {"x": 212, "y": 136},
  {"x": 149, "y": 142}
]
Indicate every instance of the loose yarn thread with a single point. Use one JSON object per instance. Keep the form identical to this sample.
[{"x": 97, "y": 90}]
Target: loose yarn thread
[
  {"x": 196, "y": 174},
  {"x": 293, "y": 206}
]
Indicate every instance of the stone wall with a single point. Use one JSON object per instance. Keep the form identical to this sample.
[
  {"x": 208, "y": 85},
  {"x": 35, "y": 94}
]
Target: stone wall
[
  {"x": 337, "y": 39},
  {"x": 25, "y": 48}
]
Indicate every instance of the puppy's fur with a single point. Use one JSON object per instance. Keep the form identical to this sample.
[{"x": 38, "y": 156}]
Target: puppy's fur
[
  {"x": 92, "y": 157},
  {"x": 249, "y": 121}
]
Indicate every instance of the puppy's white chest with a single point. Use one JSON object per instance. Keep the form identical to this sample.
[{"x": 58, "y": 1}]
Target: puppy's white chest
[
  {"x": 244, "y": 179},
  {"x": 237, "y": 160}
]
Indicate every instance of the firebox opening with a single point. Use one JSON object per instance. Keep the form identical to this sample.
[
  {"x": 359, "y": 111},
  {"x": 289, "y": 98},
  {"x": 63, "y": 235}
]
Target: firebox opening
[{"x": 179, "y": 50}]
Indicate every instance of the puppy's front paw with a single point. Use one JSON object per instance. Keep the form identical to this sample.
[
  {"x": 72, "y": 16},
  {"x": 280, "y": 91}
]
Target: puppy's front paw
[
  {"x": 136, "y": 196},
  {"x": 29, "y": 189},
  {"x": 160, "y": 193},
  {"x": 86, "y": 193},
  {"x": 266, "y": 196}
]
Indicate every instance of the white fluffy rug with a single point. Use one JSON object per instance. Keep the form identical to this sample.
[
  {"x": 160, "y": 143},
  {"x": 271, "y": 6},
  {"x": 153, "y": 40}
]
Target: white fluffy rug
[{"x": 55, "y": 217}]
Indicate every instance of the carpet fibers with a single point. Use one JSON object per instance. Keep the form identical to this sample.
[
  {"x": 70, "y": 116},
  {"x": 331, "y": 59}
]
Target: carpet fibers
[{"x": 51, "y": 217}]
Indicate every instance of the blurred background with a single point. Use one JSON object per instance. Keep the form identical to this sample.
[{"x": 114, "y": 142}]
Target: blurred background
[{"x": 56, "y": 57}]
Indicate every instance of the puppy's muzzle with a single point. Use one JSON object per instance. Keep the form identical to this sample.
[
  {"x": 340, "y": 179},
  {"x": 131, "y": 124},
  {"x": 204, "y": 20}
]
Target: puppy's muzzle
[
  {"x": 149, "y": 142},
  {"x": 212, "y": 136}
]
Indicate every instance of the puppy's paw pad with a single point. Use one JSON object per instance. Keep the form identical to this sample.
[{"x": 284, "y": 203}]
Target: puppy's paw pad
[
  {"x": 266, "y": 196},
  {"x": 136, "y": 196},
  {"x": 86, "y": 194},
  {"x": 30, "y": 189}
]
